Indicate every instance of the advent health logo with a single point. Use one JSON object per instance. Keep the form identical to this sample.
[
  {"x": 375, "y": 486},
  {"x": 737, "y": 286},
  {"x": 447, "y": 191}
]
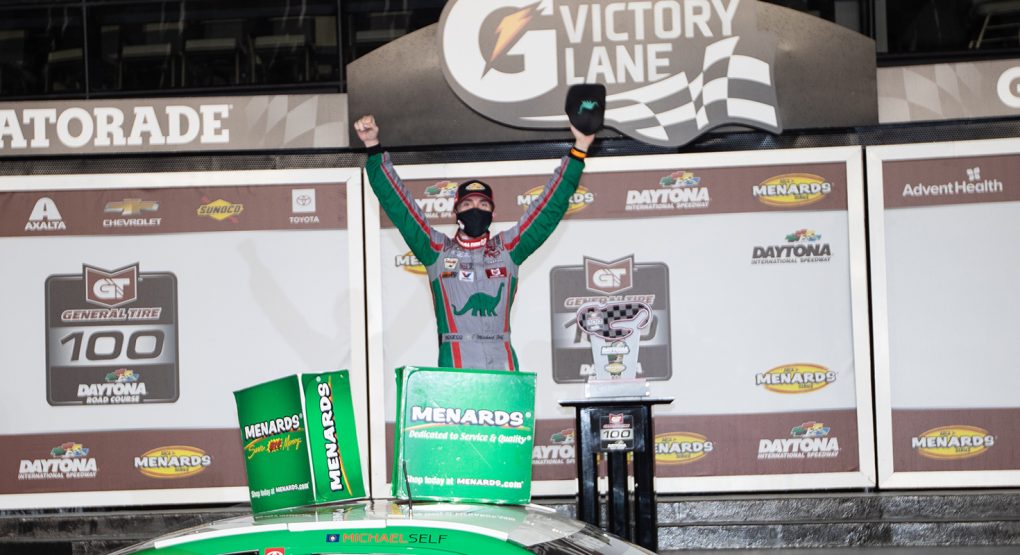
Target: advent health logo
[{"x": 673, "y": 69}]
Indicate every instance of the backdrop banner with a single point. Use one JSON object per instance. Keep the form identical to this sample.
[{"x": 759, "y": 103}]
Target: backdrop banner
[
  {"x": 753, "y": 266},
  {"x": 135, "y": 304},
  {"x": 946, "y": 312}
]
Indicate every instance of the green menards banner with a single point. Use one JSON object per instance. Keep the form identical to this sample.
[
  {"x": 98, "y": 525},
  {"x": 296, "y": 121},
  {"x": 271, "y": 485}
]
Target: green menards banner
[
  {"x": 464, "y": 435},
  {"x": 300, "y": 444}
]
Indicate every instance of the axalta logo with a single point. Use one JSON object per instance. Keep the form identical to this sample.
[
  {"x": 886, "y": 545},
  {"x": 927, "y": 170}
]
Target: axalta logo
[
  {"x": 681, "y": 447},
  {"x": 122, "y": 386},
  {"x": 131, "y": 210},
  {"x": 671, "y": 68},
  {"x": 69, "y": 460},
  {"x": 438, "y": 201},
  {"x": 45, "y": 216},
  {"x": 334, "y": 462},
  {"x": 680, "y": 190},
  {"x": 105, "y": 126},
  {"x": 972, "y": 184},
  {"x": 471, "y": 417},
  {"x": 578, "y": 201},
  {"x": 409, "y": 263},
  {"x": 220, "y": 210},
  {"x": 809, "y": 440},
  {"x": 953, "y": 442},
  {"x": 792, "y": 189},
  {"x": 795, "y": 378},
  {"x": 175, "y": 461},
  {"x": 803, "y": 245}
]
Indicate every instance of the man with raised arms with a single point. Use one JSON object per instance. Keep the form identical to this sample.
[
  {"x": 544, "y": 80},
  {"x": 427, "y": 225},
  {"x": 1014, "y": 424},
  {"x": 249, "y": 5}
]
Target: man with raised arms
[{"x": 473, "y": 275}]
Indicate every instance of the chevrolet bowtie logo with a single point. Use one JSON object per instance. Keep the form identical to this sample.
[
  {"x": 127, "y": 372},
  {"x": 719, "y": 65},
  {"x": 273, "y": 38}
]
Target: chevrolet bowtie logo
[{"x": 132, "y": 206}]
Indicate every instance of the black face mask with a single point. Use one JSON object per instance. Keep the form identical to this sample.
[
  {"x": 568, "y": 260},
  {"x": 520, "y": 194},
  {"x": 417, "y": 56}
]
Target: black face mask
[{"x": 474, "y": 222}]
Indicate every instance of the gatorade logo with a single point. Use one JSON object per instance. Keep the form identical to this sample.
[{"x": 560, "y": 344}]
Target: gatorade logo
[{"x": 672, "y": 70}]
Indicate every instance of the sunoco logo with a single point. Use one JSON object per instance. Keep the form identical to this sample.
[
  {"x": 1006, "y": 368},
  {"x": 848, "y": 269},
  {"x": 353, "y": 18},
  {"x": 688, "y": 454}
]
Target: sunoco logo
[
  {"x": 953, "y": 442},
  {"x": 578, "y": 201},
  {"x": 795, "y": 378},
  {"x": 68, "y": 460},
  {"x": 220, "y": 210},
  {"x": 438, "y": 201},
  {"x": 803, "y": 245},
  {"x": 177, "y": 461},
  {"x": 681, "y": 190},
  {"x": 809, "y": 440},
  {"x": 792, "y": 189},
  {"x": 681, "y": 447},
  {"x": 673, "y": 69},
  {"x": 410, "y": 263}
]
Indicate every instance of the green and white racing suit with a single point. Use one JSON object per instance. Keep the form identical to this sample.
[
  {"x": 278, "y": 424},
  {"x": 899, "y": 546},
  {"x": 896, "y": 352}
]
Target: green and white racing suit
[{"x": 474, "y": 282}]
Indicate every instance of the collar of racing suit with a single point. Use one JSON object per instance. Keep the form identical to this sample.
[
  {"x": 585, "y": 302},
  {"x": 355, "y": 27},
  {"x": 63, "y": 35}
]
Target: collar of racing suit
[{"x": 472, "y": 243}]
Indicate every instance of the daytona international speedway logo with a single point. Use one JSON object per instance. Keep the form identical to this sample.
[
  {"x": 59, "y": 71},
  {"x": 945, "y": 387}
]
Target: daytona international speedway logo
[{"x": 672, "y": 69}]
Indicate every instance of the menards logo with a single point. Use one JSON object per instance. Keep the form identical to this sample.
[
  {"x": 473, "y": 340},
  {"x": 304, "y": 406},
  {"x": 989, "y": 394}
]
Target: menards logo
[
  {"x": 795, "y": 378},
  {"x": 176, "y": 461},
  {"x": 578, "y": 201},
  {"x": 681, "y": 447},
  {"x": 792, "y": 189},
  {"x": 953, "y": 442},
  {"x": 410, "y": 263}
]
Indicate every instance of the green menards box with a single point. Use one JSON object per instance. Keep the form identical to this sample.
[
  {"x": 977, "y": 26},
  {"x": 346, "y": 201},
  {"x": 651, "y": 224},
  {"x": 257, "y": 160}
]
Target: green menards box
[
  {"x": 464, "y": 435},
  {"x": 300, "y": 443}
]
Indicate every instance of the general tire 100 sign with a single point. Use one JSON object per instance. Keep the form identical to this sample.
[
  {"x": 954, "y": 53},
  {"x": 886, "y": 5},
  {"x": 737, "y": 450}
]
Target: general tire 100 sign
[{"x": 111, "y": 337}]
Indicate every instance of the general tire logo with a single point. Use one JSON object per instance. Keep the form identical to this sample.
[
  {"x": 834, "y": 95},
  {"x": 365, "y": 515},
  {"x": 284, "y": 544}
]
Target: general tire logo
[
  {"x": 111, "y": 337},
  {"x": 673, "y": 69},
  {"x": 622, "y": 280}
]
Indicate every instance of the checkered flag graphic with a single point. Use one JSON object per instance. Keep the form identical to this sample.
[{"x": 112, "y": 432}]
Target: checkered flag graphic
[
  {"x": 731, "y": 87},
  {"x": 599, "y": 320}
]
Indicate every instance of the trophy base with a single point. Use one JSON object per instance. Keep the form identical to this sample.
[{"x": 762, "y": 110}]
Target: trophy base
[{"x": 636, "y": 387}]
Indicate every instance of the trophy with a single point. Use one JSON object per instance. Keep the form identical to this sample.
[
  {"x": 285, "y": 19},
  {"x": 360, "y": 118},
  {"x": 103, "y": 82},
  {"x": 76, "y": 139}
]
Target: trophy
[{"x": 613, "y": 330}]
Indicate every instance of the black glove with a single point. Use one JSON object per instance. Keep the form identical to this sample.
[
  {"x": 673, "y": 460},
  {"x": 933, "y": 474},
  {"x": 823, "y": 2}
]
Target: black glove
[{"x": 586, "y": 107}]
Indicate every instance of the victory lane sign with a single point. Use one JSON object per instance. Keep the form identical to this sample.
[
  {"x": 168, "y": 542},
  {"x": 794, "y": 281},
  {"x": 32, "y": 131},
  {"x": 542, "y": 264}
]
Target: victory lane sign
[{"x": 111, "y": 337}]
